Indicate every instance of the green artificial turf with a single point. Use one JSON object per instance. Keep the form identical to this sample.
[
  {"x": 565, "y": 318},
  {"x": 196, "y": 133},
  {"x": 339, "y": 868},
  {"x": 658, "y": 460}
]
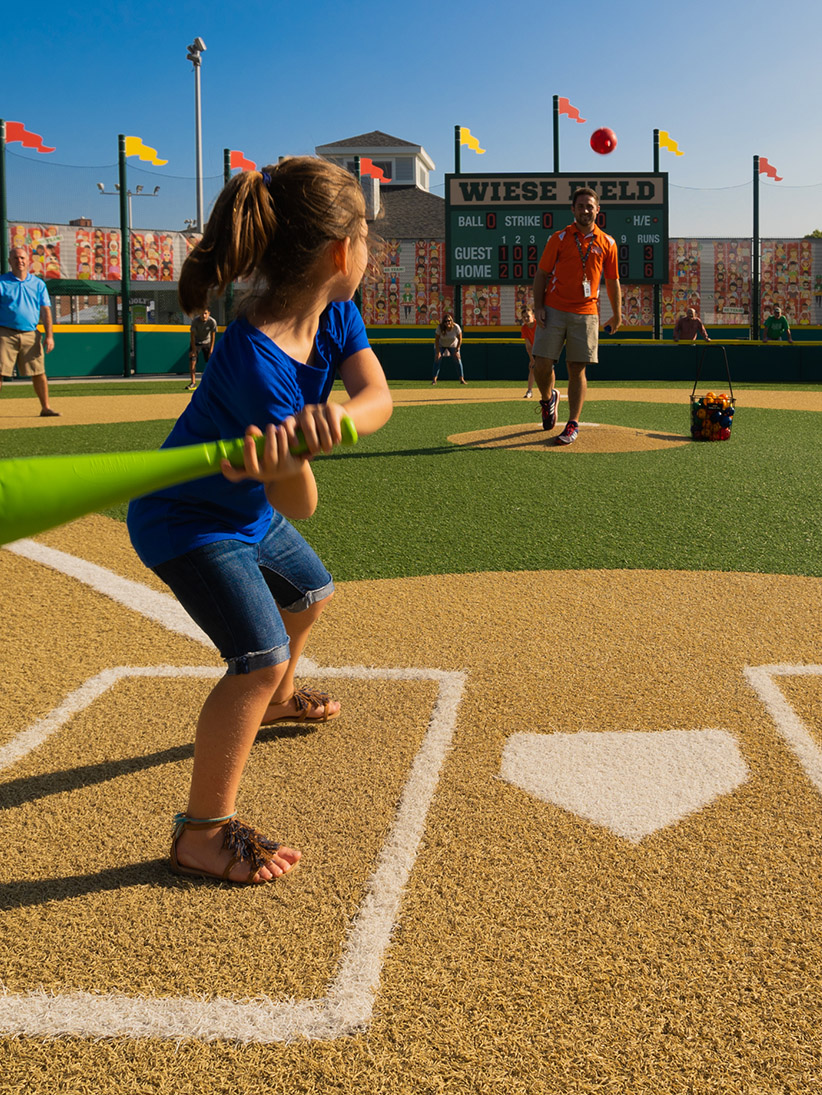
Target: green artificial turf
[
  {"x": 407, "y": 502},
  {"x": 749, "y": 504}
]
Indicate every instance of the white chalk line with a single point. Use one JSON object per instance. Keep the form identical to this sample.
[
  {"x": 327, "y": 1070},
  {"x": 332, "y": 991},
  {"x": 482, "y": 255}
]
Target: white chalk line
[
  {"x": 789, "y": 725},
  {"x": 349, "y": 1002}
]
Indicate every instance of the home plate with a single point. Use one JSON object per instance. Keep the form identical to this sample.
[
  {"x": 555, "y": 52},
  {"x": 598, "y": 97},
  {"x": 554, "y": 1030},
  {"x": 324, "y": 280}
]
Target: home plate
[{"x": 630, "y": 782}]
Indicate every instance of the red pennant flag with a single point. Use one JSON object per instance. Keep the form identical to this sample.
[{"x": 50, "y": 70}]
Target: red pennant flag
[
  {"x": 368, "y": 168},
  {"x": 239, "y": 160},
  {"x": 768, "y": 169},
  {"x": 16, "y": 131},
  {"x": 566, "y": 108}
]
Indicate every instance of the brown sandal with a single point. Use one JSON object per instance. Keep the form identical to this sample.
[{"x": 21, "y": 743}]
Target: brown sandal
[
  {"x": 245, "y": 844},
  {"x": 305, "y": 698}
]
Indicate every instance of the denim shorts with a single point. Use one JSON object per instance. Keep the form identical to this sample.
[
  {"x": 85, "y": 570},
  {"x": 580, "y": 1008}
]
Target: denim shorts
[{"x": 236, "y": 591}]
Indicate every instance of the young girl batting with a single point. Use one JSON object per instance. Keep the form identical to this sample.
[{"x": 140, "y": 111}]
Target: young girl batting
[{"x": 224, "y": 545}]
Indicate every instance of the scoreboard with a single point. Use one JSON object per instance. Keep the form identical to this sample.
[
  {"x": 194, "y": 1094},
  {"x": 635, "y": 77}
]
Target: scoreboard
[{"x": 496, "y": 226}]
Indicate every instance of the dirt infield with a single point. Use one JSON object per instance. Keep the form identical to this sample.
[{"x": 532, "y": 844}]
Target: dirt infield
[
  {"x": 563, "y": 839},
  {"x": 523, "y": 871}
]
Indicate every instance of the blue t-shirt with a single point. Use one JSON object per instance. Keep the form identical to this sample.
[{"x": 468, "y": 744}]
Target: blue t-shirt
[
  {"x": 248, "y": 381},
  {"x": 21, "y": 301}
]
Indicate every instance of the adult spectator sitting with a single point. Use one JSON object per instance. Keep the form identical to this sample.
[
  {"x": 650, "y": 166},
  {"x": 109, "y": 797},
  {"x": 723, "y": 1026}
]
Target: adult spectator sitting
[
  {"x": 689, "y": 327},
  {"x": 776, "y": 327}
]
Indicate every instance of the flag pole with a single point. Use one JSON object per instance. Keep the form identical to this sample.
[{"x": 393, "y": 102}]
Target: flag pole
[
  {"x": 4, "y": 222},
  {"x": 556, "y": 134},
  {"x": 228, "y": 300},
  {"x": 125, "y": 260},
  {"x": 457, "y": 288},
  {"x": 755, "y": 254},
  {"x": 657, "y": 293}
]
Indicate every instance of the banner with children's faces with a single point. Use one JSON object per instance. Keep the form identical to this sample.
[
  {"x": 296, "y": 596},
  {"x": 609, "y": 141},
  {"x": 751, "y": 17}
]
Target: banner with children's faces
[
  {"x": 788, "y": 279},
  {"x": 95, "y": 254},
  {"x": 152, "y": 256},
  {"x": 43, "y": 243},
  {"x": 404, "y": 283}
]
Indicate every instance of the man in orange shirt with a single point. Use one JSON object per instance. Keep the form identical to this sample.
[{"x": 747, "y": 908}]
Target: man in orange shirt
[{"x": 566, "y": 291}]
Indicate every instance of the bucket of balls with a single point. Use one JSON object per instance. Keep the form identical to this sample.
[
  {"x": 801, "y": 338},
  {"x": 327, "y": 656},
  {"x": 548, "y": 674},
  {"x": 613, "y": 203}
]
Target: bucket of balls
[{"x": 712, "y": 416}]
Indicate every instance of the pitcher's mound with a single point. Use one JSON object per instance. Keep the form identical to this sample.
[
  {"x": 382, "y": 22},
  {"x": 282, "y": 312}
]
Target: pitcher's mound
[{"x": 593, "y": 437}]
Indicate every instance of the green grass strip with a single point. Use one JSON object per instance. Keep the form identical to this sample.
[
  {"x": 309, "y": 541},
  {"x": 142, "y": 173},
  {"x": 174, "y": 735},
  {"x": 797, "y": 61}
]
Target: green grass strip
[{"x": 408, "y": 502}]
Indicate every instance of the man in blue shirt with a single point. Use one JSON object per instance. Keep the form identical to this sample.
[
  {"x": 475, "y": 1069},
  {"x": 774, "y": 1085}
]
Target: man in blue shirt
[{"x": 24, "y": 302}]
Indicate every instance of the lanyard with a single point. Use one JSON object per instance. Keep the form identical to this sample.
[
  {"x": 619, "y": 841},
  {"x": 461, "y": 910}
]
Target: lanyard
[{"x": 579, "y": 248}]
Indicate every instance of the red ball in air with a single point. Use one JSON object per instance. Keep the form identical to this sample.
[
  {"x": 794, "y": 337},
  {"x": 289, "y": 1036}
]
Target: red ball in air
[{"x": 603, "y": 141}]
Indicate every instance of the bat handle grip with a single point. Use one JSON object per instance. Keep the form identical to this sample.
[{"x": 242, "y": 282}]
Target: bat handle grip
[
  {"x": 233, "y": 450},
  {"x": 347, "y": 428}
]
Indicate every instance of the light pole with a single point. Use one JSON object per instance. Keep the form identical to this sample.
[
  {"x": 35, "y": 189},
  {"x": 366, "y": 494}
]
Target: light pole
[
  {"x": 194, "y": 54},
  {"x": 137, "y": 192},
  {"x": 122, "y": 192}
]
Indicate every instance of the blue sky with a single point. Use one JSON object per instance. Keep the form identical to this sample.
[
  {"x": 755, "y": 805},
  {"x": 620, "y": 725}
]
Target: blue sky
[{"x": 726, "y": 80}]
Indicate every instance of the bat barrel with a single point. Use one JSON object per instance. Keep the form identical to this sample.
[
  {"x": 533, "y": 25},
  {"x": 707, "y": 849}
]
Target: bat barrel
[{"x": 41, "y": 492}]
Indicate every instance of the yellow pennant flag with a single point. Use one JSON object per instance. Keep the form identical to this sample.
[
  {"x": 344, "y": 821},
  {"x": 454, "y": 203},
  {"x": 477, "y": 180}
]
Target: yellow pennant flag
[
  {"x": 666, "y": 142},
  {"x": 472, "y": 142},
  {"x": 135, "y": 147}
]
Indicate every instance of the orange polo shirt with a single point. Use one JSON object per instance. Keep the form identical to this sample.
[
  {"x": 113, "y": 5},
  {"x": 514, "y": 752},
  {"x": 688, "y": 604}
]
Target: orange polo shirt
[{"x": 562, "y": 262}]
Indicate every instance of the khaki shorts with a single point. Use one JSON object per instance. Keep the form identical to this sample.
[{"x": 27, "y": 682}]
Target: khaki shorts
[
  {"x": 580, "y": 334},
  {"x": 23, "y": 349}
]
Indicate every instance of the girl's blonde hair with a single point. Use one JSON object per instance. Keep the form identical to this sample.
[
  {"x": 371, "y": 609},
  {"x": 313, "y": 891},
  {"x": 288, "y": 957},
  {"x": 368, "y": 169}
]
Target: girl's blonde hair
[{"x": 272, "y": 226}]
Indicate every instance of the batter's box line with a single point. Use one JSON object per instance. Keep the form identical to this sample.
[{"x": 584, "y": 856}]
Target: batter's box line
[
  {"x": 349, "y": 1002},
  {"x": 788, "y": 724}
]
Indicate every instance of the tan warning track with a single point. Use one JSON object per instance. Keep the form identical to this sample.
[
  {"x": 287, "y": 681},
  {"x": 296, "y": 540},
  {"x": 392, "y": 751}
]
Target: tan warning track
[
  {"x": 139, "y": 407},
  {"x": 541, "y": 945}
]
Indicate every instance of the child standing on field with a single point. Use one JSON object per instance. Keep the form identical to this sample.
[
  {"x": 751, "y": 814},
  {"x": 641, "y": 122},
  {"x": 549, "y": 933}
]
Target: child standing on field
[
  {"x": 224, "y": 545},
  {"x": 529, "y": 326}
]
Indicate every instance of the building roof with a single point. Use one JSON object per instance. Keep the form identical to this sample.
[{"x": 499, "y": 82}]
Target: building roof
[
  {"x": 374, "y": 143},
  {"x": 408, "y": 213},
  {"x": 375, "y": 139}
]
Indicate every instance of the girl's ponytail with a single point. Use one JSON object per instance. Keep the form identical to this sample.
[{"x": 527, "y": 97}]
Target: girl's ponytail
[
  {"x": 239, "y": 231},
  {"x": 273, "y": 225}
]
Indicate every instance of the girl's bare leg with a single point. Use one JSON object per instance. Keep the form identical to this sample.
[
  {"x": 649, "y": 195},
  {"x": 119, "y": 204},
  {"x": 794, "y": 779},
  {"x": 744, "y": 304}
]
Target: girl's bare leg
[
  {"x": 298, "y": 625},
  {"x": 226, "y": 731}
]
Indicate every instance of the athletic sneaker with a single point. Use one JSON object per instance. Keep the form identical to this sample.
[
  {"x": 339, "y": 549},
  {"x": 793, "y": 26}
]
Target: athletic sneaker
[
  {"x": 549, "y": 410},
  {"x": 569, "y": 434},
  {"x": 191, "y": 387},
  {"x": 528, "y": 395}
]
